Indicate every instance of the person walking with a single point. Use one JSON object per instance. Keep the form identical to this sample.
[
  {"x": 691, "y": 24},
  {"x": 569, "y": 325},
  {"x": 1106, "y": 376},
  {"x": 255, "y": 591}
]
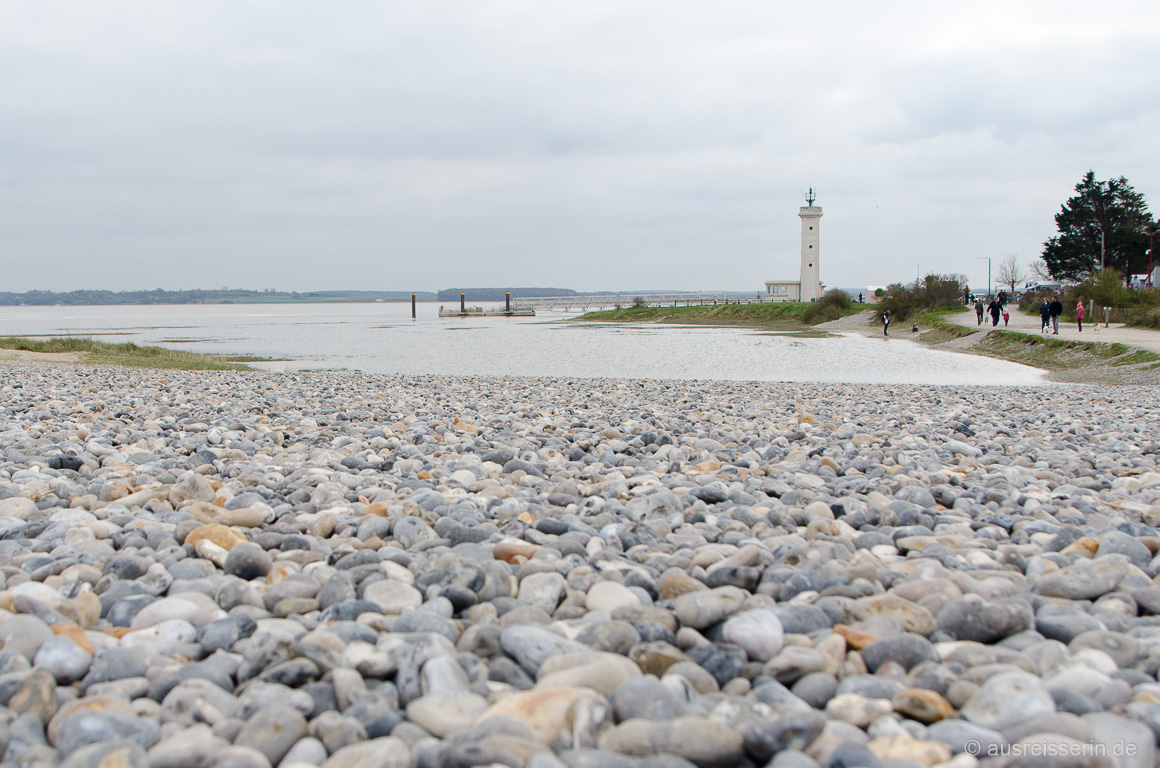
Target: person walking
[
  {"x": 1079, "y": 315},
  {"x": 1056, "y": 311},
  {"x": 995, "y": 309},
  {"x": 886, "y": 323},
  {"x": 1044, "y": 316},
  {"x": 979, "y": 312},
  {"x": 1006, "y": 316}
]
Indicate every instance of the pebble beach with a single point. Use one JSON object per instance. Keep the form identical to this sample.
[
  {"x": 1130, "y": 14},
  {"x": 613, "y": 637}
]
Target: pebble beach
[{"x": 255, "y": 570}]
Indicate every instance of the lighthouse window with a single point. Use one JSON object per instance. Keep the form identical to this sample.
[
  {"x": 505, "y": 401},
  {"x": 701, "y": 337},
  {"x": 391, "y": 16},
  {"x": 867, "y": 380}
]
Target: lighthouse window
[
  {"x": 811, "y": 246},
  {"x": 811, "y": 263},
  {"x": 811, "y": 227}
]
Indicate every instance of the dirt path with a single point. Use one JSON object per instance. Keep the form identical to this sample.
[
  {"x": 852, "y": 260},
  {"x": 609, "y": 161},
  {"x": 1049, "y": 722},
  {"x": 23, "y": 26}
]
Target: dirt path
[
  {"x": 24, "y": 356},
  {"x": 1114, "y": 333},
  {"x": 859, "y": 323},
  {"x": 1093, "y": 373}
]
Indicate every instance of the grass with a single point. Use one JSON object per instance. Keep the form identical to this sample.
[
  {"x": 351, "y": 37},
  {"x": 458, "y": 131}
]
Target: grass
[
  {"x": 130, "y": 354},
  {"x": 781, "y": 315},
  {"x": 935, "y": 329},
  {"x": 1139, "y": 356},
  {"x": 1058, "y": 354},
  {"x": 939, "y": 330},
  {"x": 1144, "y": 317}
]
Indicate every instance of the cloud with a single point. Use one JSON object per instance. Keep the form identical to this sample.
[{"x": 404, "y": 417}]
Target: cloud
[{"x": 594, "y": 145}]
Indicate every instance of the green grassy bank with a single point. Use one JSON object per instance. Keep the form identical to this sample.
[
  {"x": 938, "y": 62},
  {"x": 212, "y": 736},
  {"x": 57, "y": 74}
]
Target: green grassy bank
[
  {"x": 129, "y": 354},
  {"x": 1058, "y": 354},
  {"x": 936, "y": 329},
  {"x": 781, "y": 316}
]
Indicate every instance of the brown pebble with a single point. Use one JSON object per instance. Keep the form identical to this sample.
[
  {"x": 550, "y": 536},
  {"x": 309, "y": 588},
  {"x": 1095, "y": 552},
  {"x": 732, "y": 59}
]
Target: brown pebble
[
  {"x": 656, "y": 657},
  {"x": 222, "y": 535},
  {"x": 74, "y": 633},
  {"x": 855, "y": 638},
  {"x": 36, "y": 695},
  {"x": 324, "y": 526},
  {"x": 923, "y": 705},
  {"x": 675, "y": 582},
  {"x": 1085, "y": 547},
  {"x": 509, "y": 549}
]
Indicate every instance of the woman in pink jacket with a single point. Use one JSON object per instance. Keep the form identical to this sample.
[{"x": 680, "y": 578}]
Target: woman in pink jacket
[{"x": 1079, "y": 315}]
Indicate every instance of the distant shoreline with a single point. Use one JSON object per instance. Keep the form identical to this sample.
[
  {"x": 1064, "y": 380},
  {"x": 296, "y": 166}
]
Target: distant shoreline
[
  {"x": 216, "y": 303},
  {"x": 161, "y": 297}
]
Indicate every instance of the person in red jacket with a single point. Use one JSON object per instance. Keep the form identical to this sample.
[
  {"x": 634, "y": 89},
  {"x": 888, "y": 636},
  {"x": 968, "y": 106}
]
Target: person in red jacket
[{"x": 1079, "y": 315}]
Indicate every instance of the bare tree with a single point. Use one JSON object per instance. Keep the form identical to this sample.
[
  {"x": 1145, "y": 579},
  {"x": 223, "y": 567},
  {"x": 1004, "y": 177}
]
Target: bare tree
[
  {"x": 1010, "y": 272},
  {"x": 1040, "y": 270}
]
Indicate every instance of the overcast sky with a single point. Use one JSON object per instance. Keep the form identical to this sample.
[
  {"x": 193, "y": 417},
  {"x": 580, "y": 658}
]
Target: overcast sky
[{"x": 594, "y": 144}]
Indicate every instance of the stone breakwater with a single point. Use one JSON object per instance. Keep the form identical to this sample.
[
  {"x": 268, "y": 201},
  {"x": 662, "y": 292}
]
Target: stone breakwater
[{"x": 248, "y": 570}]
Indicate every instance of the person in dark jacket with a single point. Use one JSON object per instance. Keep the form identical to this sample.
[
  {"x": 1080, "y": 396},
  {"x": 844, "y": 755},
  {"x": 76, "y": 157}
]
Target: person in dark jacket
[
  {"x": 1056, "y": 311},
  {"x": 886, "y": 323},
  {"x": 1044, "y": 316},
  {"x": 996, "y": 309},
  {"x": 979, "y": 312}
]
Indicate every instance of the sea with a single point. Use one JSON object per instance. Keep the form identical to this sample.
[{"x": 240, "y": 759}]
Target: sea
[{"x": 383, "y": 338}]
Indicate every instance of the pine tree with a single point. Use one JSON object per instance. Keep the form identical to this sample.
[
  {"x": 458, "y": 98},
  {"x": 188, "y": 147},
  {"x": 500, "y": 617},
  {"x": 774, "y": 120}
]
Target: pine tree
[{"x": 1101, "y": 226}]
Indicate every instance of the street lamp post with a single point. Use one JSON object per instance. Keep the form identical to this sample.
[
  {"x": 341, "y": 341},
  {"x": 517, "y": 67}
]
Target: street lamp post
[
  {"x": 988, "y": 258},
  {"x": 1151, "y": 253}
]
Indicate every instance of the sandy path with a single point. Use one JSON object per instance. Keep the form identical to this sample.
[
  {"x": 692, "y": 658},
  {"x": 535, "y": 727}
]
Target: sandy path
[
  {"x": 1116, "y": 332},
  {"x": 23, "y": 356}
]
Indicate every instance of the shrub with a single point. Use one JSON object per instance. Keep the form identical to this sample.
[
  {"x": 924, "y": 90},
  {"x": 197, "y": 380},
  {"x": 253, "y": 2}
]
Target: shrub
[
  {"x": 830, "y": 307},
  {"x": 1106, "y": 289},
  {"x": 1102, "y": 289},
  {"x": 639, "y": 302},
  {"x": 934, "y": 292},
  {"x": 1145, "y": 315}
]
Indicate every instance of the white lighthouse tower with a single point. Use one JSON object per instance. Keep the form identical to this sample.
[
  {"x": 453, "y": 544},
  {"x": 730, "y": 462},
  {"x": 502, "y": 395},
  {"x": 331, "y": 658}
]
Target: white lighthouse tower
[{"x": 811, "y": 216}]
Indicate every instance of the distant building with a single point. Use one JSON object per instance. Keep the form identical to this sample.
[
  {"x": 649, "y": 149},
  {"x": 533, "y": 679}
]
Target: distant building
[
  {"x": 808, "y": 286},
  {"x": 1141, "y": 282},
  {"x": 1041, "y": 287},
  {"x": 783, "y": 290}
]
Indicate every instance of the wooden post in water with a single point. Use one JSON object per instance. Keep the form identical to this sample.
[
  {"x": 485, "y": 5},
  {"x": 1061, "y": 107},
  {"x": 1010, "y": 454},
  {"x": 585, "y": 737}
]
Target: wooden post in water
[
  {"x": 507, "y": 302},
  {"x": 412, "y": 306},
  {"x": 462, "y": 303}
]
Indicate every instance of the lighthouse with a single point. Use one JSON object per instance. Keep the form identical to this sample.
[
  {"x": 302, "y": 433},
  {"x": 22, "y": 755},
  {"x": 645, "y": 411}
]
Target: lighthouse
[
  {"x": 811, "y": 216},
  {"x": 808, "y": 286}
]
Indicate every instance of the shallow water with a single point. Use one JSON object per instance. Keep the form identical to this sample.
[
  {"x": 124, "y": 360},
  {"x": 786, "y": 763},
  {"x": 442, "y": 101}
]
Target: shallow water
[{"x": 382, "y": 338}]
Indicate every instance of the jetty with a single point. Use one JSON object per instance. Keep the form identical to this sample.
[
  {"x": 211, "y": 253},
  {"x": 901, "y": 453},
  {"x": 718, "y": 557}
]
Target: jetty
[
  {"x": 591, "y": 301},
  {"x": 482, "y": 312},
  {"x": 507, "y": 311}
]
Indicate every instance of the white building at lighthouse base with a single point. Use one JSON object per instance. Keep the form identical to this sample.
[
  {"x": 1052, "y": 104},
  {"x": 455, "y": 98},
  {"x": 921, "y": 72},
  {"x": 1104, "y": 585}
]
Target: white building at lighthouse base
[{"x": 783, "y": 290}]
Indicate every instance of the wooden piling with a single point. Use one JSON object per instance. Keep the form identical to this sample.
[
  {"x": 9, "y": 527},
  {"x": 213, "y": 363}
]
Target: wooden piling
[
  {"x": 462, "y": 303},
  {"x": 412, "y": 306},
  {"x": 507, "y": 301}
]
